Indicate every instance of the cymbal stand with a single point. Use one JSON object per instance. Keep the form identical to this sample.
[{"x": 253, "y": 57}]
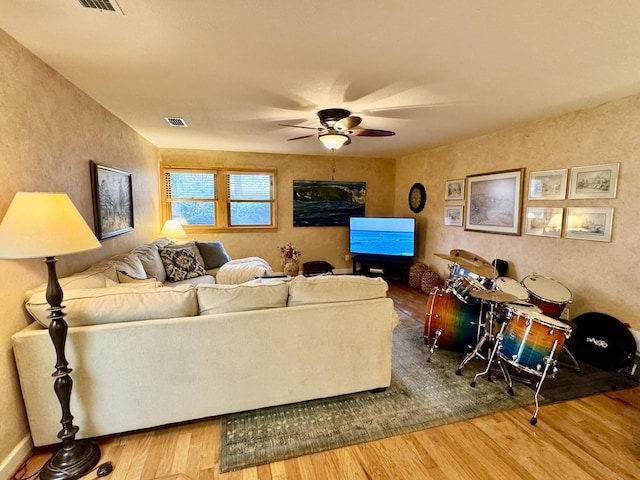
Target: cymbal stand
[
  {"x": 492, "y": 357},
  {"x": 548, "y": 362},
  {"x": 487, "y": 336}
]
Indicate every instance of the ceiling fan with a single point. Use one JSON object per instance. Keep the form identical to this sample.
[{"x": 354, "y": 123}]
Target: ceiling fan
[{"x": 337, "y": 125}]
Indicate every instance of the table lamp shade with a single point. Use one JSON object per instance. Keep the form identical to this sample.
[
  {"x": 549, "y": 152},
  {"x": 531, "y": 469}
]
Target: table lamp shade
[
  {"x": 43, "y": 225},
  {"x": 172, "y": 229}
]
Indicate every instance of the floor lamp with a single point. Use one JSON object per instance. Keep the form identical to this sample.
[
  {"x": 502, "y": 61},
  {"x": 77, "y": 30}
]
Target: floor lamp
[{"x": 40, "y": 225}]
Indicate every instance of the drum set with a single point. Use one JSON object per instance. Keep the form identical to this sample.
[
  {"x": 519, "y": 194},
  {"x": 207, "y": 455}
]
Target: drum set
[{"x": 499, "y": 320}]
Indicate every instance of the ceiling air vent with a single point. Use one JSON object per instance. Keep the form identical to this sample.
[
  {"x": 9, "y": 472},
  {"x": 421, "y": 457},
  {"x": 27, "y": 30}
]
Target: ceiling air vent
[
  {"x": 102, "y": 5},
  {"x": 176, "y": 122}
]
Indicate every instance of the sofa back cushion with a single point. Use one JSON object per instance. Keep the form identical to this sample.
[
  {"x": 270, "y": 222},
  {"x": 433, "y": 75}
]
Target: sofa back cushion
[
  {"x": 124, "y": 303},
  {"x": 254, "y": 295},
  {"x": 335, "y": 288}
]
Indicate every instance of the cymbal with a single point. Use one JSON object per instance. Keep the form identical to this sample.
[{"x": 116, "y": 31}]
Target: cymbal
[
  {"x": 485, "y": 270},
  {"x": 456, "y": 252},
  {"x": 491, "y": 296}
]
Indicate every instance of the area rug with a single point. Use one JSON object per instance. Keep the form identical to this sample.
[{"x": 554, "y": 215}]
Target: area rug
[{"x": 422, "y": 395}]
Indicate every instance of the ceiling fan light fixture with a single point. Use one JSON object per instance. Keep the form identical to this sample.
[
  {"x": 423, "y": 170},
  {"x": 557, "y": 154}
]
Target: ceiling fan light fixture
[{"x": 333, "y": 141}]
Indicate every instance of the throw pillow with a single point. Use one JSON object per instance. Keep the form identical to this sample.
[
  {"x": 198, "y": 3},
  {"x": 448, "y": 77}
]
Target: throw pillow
[
  {"x": 150, "y": 259},
  {"x": 181, "y": 263},
  {"x": 192, "y": 246},
  {"x": 213, "y": 253},
  {"x": 129, "y": 264}
]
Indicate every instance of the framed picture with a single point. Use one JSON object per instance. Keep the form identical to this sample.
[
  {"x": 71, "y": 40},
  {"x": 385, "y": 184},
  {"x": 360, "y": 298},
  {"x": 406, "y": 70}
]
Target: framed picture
[
  {"x": 454, "y": 189},
  {"x": 597, "y": 181},
  {"x": 323, "y": 203},
  {"x": 494, "y": 202},
  {"x": 548, "y": 185},
  {"x": 546, "y": 222},
  {"x": 453, "y": 215},
  {"x": 589, "y": 223},
  {"x": 112, "y": 201}
]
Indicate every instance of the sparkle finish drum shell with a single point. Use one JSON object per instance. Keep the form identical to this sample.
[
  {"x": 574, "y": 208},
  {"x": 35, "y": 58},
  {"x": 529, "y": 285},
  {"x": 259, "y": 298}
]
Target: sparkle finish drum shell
[
  {"x": 529, "y": 337},
  {"x": 456, "y": 321}
]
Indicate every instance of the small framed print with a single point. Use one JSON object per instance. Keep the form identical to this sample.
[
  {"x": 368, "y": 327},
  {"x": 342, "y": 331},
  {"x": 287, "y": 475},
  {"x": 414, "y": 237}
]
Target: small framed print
[
  {"x": 453, "y": 215},
  {"x": 597, "y": 181},
  {"x": 454, "y": 189},
  {"x": 545, "y": 222},
  {"x": 548, "y": 185},
  {"x": 589, "y": 223}
]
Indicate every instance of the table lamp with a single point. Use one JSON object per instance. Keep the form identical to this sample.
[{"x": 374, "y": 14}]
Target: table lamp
[
  {"x": 173, "y": 230},
  {"x": 44, "y": 225}
]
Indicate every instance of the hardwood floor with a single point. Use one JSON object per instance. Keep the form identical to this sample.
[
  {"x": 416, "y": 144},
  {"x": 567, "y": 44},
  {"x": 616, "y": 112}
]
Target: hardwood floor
[{"x": 592, "y": 438}]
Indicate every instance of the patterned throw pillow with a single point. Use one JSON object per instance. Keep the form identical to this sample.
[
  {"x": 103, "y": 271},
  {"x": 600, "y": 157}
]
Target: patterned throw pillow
[{"x": 181, "y": 263}]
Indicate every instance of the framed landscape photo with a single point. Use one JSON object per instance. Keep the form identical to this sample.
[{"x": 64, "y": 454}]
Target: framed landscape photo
[
  {"x": 543, "y": 221},
  {"x": 112, "y": 201},
  {"x": 494, "y": 202},
  {"x": 589, "y": 223},
  {"x": 453, "y": 215},
  {"x": 454, "y": 189},
  {"x": 597, "y": 181},
  {"x": 548, "y": 185}
]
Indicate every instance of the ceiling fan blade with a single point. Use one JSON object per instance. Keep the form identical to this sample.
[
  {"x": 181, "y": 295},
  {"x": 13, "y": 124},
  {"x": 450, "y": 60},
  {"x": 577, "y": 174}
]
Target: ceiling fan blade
[
  {"x": 347, "y": 123},
  {"x": 299, "y": 126},
  {"x": 304, "y": 136},
  {"x": 370, "y": 132}
]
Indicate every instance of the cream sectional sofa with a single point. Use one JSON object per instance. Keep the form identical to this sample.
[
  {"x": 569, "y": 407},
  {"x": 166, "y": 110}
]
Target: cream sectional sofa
[{"x": 146, "y": 354}]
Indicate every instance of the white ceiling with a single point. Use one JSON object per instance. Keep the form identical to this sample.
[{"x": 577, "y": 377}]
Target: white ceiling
[{"x": 433, "y": 71}]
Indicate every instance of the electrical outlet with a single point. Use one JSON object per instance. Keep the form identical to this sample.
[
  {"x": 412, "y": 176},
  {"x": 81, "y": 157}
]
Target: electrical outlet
[{"x": 347, "y": 257}]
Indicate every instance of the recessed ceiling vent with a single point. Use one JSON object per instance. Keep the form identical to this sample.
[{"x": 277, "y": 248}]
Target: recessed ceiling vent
[
  {"x": 102, "y": 5},
  {"x": 176, "y": 122}
]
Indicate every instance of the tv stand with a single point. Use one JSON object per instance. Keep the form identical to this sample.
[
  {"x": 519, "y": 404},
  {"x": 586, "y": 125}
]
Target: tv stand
[{"x": 382, "y": 266}]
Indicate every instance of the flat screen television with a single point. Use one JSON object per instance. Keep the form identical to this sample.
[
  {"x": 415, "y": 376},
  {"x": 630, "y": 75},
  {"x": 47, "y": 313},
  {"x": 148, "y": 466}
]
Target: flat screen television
[{"x": 382, "y": 236}]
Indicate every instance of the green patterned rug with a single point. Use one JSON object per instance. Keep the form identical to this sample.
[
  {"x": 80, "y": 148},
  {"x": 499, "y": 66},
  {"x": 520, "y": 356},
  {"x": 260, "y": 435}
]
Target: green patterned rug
[{"x": 422, "y": 395}]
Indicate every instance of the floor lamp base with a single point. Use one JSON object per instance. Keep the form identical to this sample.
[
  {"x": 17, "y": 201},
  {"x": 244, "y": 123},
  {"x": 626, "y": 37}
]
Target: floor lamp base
[{"x": 71, "y": 462}]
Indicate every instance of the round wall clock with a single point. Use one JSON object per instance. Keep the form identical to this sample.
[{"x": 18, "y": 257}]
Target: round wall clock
[{"x": 417, "y": 197}]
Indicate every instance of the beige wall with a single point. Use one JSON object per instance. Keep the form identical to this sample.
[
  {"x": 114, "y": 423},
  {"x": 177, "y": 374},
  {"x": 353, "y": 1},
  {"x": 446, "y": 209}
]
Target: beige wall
[
  {"x": 602, "y": 277},
  {"x": 49, "y": 130},
  {"x": 317, "y": 243}
]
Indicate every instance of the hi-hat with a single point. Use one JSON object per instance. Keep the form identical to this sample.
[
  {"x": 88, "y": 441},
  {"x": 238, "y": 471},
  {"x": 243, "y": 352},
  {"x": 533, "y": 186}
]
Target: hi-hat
[
  {"x": 493, "y": 296},
  {"x": 485, "y": 270}
]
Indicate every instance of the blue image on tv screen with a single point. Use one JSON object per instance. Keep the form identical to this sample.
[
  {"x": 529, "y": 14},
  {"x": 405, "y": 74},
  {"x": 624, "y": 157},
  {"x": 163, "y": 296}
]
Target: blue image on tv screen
[{"x": 382, "y": 236}]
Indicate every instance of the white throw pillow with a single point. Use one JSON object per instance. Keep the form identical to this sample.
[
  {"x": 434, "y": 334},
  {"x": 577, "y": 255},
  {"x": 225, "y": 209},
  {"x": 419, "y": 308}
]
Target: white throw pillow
[
  {"x": 241, "y": 298},
  {"x": 151, "y": 261},
  {"x": 335, "y": 288},
  {"x": 129, "y": 264}
]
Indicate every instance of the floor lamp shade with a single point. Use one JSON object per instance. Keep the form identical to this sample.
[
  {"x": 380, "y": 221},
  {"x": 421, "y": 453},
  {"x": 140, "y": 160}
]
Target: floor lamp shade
[{"x": 43, "y": 225}]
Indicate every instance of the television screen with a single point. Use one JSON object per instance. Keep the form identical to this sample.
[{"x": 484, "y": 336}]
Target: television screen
[{"x": 382, "y": 236}]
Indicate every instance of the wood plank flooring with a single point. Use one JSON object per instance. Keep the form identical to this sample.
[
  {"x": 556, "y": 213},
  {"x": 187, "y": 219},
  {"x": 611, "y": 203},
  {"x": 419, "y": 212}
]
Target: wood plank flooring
[{"x": 592, "y": 438}]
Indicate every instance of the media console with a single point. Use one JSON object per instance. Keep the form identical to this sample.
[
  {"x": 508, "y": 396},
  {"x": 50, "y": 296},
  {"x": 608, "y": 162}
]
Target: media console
[{"x": 382, "y": 266}]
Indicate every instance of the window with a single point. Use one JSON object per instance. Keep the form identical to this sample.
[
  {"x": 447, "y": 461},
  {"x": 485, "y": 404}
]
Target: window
[{"x": 219, "y": 199}]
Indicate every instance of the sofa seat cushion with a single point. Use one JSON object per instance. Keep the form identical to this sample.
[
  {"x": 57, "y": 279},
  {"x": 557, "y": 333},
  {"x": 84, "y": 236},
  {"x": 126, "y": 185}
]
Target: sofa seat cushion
[
  {"x": 124, "y": 303},
  {"x": 335, "y": 288},
  {"x": 242, "y": 270},
  {"x": 240, "y": 298},
  {"x": 203, "y": 280}
]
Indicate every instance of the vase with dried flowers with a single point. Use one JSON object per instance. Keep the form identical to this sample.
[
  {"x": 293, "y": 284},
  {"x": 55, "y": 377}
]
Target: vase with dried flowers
[{"x": 289, "y": 260}]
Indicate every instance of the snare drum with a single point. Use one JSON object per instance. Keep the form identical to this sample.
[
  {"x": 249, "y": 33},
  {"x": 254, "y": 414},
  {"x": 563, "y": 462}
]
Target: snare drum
[
  {"x": 464, "y": 285},
  {"x": 548, "y": 294},
  {"x": 456, "y": 322},
  {"x": 509, "y": 285},
  {"x": 529, "y": 338}
]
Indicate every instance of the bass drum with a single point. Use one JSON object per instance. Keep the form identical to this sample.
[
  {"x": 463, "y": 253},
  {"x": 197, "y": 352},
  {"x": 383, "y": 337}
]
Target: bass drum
[{"x": 453, "y": 323}]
